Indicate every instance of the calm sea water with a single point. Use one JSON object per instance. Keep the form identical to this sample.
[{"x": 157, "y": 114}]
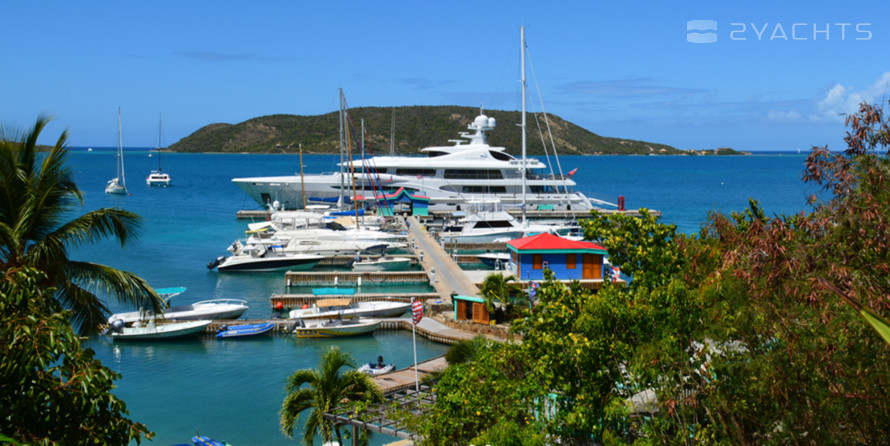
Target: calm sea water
[{"x": 233, "y": 390}]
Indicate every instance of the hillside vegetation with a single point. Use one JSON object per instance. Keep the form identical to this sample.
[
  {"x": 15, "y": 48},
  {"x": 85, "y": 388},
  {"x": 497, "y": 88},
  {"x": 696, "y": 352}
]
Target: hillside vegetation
[{"x": 416, "y": 127}]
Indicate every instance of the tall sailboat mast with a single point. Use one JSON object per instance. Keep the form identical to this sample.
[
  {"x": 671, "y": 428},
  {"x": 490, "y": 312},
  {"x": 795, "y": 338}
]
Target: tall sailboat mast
[
  {"x": 120, "y": 151},
  {"x": 522, "y": 61},
  {"x": 342, "y": 148}
]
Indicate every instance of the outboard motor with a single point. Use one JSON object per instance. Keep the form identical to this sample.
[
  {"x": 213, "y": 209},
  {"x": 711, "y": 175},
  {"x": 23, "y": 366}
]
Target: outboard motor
[
  {"x": 216, "y": 262},
  {"x": 117, "y": 326}
]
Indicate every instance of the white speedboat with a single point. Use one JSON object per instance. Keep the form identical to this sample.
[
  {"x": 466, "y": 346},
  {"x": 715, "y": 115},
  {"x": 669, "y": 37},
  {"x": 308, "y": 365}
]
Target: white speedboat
[
  {"x": 155, "y": 330},
  {"x": 118, "y": 184},
  {"x": 331, "y": 308},
  {"x": 385, "y": 263},
  {"x": 332, "y": 328},
  {"x": 259, "y": 246},
  {"x": 205, "y": 309},
  {"x": 268, "y": 260}
]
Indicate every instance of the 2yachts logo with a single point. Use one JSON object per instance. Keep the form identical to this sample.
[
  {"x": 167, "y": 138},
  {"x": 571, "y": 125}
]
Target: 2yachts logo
[{"x": 705, "y": 31}]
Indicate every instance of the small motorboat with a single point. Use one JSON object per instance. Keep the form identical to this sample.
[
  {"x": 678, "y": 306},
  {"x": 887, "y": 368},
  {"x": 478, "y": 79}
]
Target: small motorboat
[
  {"x": 200, "y": 440},
  {"x": 205, "y": 309},
  {"x": 377, "y": 368},
  {"x": 385, "y": 263},
  {"x": 243, "y": 331},
  {"x": 331, "y": 308},
  {"x": 154, "y": 330},
  {"x": 333, "y": 327},
  {"x": 494, "y": 259}
]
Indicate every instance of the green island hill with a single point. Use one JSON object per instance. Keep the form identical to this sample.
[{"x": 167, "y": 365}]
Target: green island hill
[{"x": 415, "y": 127}]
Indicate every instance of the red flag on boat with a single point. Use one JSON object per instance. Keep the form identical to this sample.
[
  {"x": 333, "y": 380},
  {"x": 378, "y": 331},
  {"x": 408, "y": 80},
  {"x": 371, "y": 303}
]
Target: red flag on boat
[
  {"x": 572, "y": 172},
  {"x": 417, "y": 311}
]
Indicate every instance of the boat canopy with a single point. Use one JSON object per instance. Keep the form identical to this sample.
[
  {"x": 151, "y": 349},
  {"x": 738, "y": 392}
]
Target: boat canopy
[{"x": 333, "y": 303}]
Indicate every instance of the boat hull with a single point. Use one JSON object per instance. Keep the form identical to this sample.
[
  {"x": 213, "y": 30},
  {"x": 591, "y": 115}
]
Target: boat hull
[
  {"x": 210, "y": 309},
  {"x": 334, "y": 330},
  {"x": 365, "y": 309},
  {"x": 395, "y": 264},
  {"x": 244, "y": 331},
  {"x": 158, "y": 332},
  {"x": 272, "y": 263}
]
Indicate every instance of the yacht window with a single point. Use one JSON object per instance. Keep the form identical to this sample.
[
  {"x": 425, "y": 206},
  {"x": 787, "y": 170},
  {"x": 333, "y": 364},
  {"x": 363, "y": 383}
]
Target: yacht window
[
  {"x": 541, "y": 189},
  {"x": 434, "y": 154},
  {"x": 500, "y": 156},
  {"x": 410, "y": 171},
  {"x": 482, "y": 189},
  {"x": 474, "y": 174}
]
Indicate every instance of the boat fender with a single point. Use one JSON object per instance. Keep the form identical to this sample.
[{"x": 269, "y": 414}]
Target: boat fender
[{"x": 222, "y": 329}]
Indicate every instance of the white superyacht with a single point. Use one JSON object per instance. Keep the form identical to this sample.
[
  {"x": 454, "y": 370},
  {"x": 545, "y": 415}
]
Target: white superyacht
[{"x": 449, "y": 175}]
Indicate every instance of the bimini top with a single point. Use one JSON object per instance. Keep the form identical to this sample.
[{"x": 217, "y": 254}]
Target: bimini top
[{"x": 548, "y": 243}]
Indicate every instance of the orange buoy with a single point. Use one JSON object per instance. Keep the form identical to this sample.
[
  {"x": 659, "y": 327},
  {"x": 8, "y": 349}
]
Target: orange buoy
[{"x": 279, "y": 306}]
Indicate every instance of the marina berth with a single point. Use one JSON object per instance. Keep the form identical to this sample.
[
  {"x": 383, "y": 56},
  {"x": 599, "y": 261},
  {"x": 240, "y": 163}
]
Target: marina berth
[
  {"x": 205, "y": 309},
  {"x": 244, "y": 331},
  {"x": 154, "y": 330},
  {"x": 263, "y": 261},
  {"x": 332, "y": 328},
  {"x": 346, "y": 308}
]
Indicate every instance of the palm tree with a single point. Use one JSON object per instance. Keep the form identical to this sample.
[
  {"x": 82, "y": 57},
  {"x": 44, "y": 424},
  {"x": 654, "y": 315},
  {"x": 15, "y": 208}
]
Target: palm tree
[
  {"x": 497, "y": 287},
  {"x": 37, "y": 194},
  {"x": 327, "y": 389}
]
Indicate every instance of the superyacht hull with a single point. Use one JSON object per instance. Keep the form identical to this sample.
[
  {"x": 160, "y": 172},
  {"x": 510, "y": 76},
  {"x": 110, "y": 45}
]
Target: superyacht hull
[{"x": 287, "y": 191}]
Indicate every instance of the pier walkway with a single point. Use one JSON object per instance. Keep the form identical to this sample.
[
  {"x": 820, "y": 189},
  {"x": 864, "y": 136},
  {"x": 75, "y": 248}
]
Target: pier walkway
[{"x": 446, "y": 277}]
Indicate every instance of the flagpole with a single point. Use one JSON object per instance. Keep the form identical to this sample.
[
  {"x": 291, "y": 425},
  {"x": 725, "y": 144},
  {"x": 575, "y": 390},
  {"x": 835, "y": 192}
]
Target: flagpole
[{"x": 414, "y": 339}]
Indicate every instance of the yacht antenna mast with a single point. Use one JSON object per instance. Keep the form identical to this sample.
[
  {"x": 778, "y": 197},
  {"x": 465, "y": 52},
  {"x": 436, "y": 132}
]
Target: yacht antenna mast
[{"x": 522, "y": 61}]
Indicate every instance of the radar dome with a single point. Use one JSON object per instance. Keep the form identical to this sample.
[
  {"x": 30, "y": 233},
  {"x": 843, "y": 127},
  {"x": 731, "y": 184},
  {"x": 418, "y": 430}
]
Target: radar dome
[
  {"x": 481, "y": 120},
  {"x": 491, "y": 122}
]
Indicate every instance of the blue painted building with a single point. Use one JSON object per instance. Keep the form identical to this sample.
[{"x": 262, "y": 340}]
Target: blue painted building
[{"x": 568, "y": 259}]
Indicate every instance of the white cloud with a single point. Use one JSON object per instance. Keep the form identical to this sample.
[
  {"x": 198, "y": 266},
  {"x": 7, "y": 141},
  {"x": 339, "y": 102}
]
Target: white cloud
[
  {"x": 842, "y": 100},
  {"x": 783, "y": 116}
]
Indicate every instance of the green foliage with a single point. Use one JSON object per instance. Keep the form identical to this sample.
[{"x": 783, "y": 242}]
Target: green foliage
[
  {"x": 37, "y": 193},
  {"x": 465, "y": 350},
  {"x": 643, "y": 248},
  {"x": 326, "y": 389},
  {"x": 474, "y": 396},
  {"x": 416, "y": 127},
  {"x": 53, "y": 390}
]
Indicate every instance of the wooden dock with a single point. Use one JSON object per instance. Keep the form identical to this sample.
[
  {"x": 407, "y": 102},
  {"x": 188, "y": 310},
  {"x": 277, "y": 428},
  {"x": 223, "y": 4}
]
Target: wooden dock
[
  {"x": 289, "y": 301},
  {"x": 427, "y": 328},
  {"x": 293, "y": 278}
]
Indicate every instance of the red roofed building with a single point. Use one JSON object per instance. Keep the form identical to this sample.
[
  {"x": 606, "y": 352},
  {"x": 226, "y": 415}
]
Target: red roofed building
[{"x": 568, "y": 259}]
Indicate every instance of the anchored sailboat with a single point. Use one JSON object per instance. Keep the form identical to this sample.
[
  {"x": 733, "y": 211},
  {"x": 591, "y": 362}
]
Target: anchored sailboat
[
  {"x": 118, "y": 185},
  {"x": 158, "y": 177}
]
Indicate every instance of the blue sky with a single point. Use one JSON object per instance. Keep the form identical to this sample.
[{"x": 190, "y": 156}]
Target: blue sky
[{"x": 777, "y": 77}]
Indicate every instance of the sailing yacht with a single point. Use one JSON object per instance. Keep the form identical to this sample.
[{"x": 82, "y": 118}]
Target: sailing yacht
[
  {"x": 118, "y": 184},
  {"x": 158, "y": 177}
]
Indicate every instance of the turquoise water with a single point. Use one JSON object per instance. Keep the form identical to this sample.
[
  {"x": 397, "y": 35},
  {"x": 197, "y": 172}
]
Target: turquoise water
[{"x": 232, "y": 390}]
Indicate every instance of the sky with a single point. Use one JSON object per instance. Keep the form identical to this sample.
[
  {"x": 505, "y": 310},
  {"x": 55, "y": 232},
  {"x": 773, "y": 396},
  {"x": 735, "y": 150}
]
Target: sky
[{"x": 756, "y": 75}]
